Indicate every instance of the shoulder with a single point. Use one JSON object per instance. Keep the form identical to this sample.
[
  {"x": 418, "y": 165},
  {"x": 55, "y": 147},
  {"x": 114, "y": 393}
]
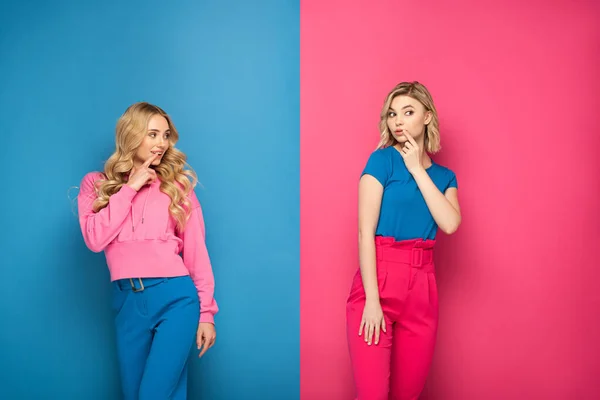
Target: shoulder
[
  {"x": 191, "y": 195},
  {"x": 444, "y": 169},
  {"x": 193, "y": 198},
  {"x": 384, "y": 153},
  {"x": 94, "y": 176},
  {"x": 445, "y": 173},
  {"x": 381, "y": 157},
  {"x": 380, "y": 165},
  {"x": 90, "y": 179}
]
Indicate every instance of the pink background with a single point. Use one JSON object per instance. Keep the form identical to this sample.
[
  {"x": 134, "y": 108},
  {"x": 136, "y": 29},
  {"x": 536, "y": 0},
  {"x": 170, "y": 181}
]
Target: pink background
[{"x": 517, "y": 90}]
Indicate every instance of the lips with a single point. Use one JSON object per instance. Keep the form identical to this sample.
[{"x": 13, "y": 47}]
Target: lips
[{"x": 160, "y": 153}]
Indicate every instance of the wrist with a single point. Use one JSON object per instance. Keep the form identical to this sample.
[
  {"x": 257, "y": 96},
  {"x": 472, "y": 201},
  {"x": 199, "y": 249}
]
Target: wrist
[
  {"x": 132, "y": 187},
  {"x": 419, "y": 170}
]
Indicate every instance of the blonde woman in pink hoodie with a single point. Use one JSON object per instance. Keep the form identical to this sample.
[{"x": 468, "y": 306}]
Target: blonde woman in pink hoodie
[{"x": 142, "y": 211}]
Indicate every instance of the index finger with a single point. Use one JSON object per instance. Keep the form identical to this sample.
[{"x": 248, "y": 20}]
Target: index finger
[
  {"x": 149, "y": 160},
  {"x": 410, "y": 138}
]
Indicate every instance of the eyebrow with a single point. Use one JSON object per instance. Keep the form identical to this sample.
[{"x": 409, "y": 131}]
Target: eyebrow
[
  {"x": 407, "y": 106},
  {"x": 157, "y": 130}
]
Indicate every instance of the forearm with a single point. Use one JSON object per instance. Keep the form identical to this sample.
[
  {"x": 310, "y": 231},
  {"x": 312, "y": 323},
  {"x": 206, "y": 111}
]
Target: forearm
[
  {"x": 100, "y": 228},
  {"x": 368, "y": 265},
  {"x": 205, "y": 287},
  {"x": 197, "y": 261},
  {"x": 443, "y": 212}
]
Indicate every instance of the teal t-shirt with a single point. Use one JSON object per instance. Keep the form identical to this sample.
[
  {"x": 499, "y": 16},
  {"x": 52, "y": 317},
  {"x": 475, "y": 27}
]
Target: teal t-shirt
[{"x": 404, "y": 214}]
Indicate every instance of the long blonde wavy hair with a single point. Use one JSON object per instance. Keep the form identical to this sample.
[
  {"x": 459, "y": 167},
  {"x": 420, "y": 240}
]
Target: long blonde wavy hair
[
  {"x": 176, "y": 181},
  {"x": 420, "y": 93}
]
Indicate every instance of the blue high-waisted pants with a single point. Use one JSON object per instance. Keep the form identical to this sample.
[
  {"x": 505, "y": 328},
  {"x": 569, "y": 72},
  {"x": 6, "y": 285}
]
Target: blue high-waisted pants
[{"x": 156, "y": 322}]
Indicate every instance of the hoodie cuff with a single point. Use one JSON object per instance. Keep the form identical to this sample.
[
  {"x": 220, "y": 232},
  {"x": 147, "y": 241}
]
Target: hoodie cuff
[
  {"x": 207, "y": 317},
  {"x": 127, "y": 191}
]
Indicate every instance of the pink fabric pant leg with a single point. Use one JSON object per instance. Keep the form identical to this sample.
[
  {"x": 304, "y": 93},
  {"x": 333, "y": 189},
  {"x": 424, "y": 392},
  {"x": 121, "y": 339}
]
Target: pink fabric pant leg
[{"x": 397, "y": 367}]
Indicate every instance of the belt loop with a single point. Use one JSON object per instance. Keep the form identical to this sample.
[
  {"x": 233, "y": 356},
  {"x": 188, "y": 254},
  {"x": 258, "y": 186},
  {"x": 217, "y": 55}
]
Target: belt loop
[
  {"x": 141, "y": 289},
  {"x": 417, "y": 253},
  {"x": 379, "y": 252}
]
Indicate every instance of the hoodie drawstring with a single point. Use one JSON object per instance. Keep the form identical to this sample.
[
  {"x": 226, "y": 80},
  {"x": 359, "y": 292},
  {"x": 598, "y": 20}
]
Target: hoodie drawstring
[{"x": 143, "y": 210}]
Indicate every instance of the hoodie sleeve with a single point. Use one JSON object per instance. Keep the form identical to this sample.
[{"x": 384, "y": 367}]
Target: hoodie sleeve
[
  {"x": 197, "y": 261},
  {"x": 100, "y": 228}
]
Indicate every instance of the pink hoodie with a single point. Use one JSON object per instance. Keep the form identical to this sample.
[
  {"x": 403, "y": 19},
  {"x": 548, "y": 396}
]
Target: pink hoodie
[{"x": 140, "y": 238}]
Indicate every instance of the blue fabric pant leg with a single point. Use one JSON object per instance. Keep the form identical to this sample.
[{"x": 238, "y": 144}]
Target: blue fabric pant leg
[{"x": 156, "y": 330}]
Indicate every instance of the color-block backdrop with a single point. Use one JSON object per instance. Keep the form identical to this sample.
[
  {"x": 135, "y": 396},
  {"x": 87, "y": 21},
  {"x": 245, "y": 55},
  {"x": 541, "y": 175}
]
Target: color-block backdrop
[
  {"x": 228, "y": 73},
  {"x": 516, "y": 85}
]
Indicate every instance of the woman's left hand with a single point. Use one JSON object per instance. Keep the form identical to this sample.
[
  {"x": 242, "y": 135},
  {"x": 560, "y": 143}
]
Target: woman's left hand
[
  {"x": 411, "y": 153},
  {"x": 205, "y": 337}
]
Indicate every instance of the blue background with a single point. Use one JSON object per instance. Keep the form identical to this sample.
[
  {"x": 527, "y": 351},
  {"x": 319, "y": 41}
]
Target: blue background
[{"x": 228, "y": 74}]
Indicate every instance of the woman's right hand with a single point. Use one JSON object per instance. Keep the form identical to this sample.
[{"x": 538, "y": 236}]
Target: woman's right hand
[
  {"x": 143, "y": 175},
  {"x": 372, "y": 321}
]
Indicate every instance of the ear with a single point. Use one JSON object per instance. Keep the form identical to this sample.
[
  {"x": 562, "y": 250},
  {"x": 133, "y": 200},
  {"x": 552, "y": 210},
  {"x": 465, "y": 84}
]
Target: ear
[{"x": 428, "y": 117}]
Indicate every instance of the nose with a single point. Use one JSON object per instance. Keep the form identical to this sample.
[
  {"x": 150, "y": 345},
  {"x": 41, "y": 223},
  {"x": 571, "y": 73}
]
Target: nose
[
  {"x": 161, "y": 141},
  {"x": 398, "y": 120}
]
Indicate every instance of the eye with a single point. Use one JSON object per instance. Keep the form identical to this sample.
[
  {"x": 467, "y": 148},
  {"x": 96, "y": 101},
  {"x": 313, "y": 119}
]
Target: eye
[
  {"x": 168, "y": 135},
  {"x": 152, "y": 135},
  {"x": 409, "y": 113},
  {"x": 391, "y": 114}
]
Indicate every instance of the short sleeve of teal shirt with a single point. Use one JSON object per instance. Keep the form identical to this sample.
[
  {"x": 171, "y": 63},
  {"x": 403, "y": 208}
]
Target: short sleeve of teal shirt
[
  {"x": 453, "y": 182},
  {"x": 404, "y": 214},
  {"x": 378, "y": 167}
]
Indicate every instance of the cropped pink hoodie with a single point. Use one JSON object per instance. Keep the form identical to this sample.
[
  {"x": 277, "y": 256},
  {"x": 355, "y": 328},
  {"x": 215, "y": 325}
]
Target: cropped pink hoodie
[{"x": 140, "y": 238}]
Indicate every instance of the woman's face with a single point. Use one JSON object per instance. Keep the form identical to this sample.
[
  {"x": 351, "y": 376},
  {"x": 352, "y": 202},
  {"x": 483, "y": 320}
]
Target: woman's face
[
  {"x": 156, "y": 141},
  {"x": 407, "y": 115}
]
